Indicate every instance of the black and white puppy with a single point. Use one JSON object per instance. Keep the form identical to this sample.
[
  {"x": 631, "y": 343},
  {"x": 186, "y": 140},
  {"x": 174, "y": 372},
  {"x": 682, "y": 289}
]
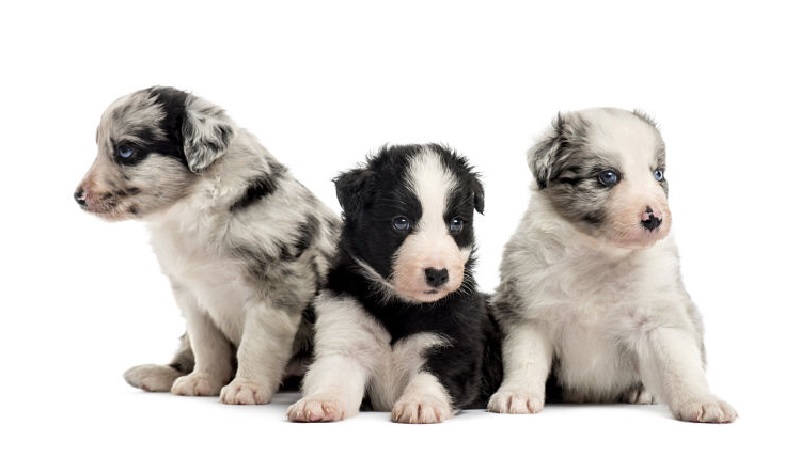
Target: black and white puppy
[
  {"x": 400, "y": 321},
  {"x": 244, "y": 244},
  {"x": 590, "y": 291}
]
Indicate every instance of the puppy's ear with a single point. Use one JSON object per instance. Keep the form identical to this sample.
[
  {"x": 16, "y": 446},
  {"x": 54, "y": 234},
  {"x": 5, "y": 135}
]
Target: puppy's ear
[
  {"x": 207, "y": 131},
  {"x": 479, "y": 196},
  {"x": 354, "y": 189},
  {"x": 548, "y": 154}
]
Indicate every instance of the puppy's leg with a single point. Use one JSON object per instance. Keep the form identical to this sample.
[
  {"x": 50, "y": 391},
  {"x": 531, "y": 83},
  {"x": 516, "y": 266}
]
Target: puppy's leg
[
  {"x": 347, "y": 346},
  {"x": 263, "y": 353},
  {"x": 158, "y": 377},
  {"x": 672, "y": 368},
  {"x": 527, "y": 354},
  {"x": 424, "y": 400},
  {"x": 212, "y": 351}
]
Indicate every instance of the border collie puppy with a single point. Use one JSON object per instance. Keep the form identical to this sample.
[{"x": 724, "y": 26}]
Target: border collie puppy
[
  {"x": 244, "y": 244},
  {"x": 590, "y": 291},
  {"x": 400, "y": 322}
]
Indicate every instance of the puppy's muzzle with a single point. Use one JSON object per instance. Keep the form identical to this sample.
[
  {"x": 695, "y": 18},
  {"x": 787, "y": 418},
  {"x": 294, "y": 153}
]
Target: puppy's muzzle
[{"x": 651, "y": 219}]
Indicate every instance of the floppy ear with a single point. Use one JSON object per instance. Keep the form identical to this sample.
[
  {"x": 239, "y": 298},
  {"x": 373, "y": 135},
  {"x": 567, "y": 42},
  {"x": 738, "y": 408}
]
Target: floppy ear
[
  {"x": 544, "y": 153},
  {"x": 478, "y": 194},
  {"x": 207, "y": 131},
  {"x": 354, "y": 189}
]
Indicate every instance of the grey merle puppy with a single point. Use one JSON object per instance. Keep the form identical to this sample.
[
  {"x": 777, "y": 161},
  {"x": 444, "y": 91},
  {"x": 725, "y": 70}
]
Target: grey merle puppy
[
  {"x": 591, "y": 300},
  {"x": 243, "y": 243}
]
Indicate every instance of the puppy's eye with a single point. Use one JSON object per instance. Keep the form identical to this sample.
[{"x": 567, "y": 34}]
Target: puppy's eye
[
  {"x": 608, "y": 178},
  {"x": 456, "y": 225},
  {"x": 659, "y": 174},
  {"x": 401, "y": 224},
  {"x": 125, "y": 151}
]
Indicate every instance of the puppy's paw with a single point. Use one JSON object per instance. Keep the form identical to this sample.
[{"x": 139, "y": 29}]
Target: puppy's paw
[
  {"x": 421, "y": 409},
  {"x": 639, "y": 396},
  {"x": 316, "y": 410},
  {"x": 706, "y": 410},
  {"x": 196, "y": 384},
  {"x": 242, "y": 392},
  {"x": 511, "y": 402},
  {"x": 152, "y": 377}
]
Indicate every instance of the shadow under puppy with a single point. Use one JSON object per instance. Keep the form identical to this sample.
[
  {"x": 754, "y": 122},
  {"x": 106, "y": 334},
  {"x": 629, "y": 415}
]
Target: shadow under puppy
[
  {"x": 590, "y": 292},
  {"x": 244, "y": 244},
  {"x": 400, "y": 322}
]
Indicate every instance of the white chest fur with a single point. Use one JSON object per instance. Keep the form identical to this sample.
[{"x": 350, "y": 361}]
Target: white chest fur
[
  {"x": 209, "y": 281},
  {"x": 596, "y": 309}
]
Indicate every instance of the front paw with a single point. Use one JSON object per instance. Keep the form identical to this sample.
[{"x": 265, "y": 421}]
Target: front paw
[
  {"x": 515, "y": 402},
  {"x": 197, "y": 384},
  {"x": 316, "y": 410},
  {"x": 151, "y": 377},
  {"x": 706, "y": 410},
  {"x": 421, "y": 409},
  {"x": 241, "y": 392}
]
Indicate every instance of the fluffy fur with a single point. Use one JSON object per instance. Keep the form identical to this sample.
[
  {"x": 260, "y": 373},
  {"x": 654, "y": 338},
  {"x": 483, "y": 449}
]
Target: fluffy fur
[
  {"x": 244, "y": 244},
  {"x": 400, "y": 322},
  {"x": 591, "y": 301}
]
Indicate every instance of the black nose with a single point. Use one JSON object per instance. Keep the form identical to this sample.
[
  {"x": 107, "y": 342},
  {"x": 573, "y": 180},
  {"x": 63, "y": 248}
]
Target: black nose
[
  {"x": 436, "y": 277},
  {"x": 79, "y": 197},
  {"x": 652, "y": 221}
]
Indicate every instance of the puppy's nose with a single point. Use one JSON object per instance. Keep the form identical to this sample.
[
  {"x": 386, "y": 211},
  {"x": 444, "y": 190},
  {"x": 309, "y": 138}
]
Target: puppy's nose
[
  {"x": 79, "y": 197},
  {"x": 651, "y": 219},
  {"x": 436, "y": 277}
]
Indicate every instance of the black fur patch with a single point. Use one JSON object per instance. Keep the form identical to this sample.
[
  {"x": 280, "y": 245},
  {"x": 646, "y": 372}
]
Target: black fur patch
[{"x": 259, "y": 187}]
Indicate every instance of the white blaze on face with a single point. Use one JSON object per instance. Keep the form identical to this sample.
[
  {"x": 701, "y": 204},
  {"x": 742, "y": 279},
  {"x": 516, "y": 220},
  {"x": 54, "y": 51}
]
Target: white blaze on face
[
  {"x": 633, "y": 143},
  {"x": 430, "y": 245}
]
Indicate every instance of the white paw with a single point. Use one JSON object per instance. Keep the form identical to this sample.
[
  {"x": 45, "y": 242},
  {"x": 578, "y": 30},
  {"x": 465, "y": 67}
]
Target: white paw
[
  {"x": 504, "y": 401},
  {"x": 421, "y": 409},
  {"x": 706, "y": 410},
  {"x": 196, "y": 384},
  {"x": 151, "y": 377},
  {"x": 316, "y": 410},
  {"x": 240, "y": 392},
  {"x": 639, "y": 396}
]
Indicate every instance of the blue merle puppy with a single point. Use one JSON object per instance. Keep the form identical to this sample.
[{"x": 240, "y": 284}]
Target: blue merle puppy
[{"x": 244, "y": 245}]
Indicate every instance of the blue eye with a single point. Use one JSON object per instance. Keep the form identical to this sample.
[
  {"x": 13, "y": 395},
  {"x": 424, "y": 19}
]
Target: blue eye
[
  {"x": 608, "y": 178},
  {"x": 659, "y": 174},
  {"x": 456, "y": 225},
  {"x": 125, "y": 151},
  {"x": 401, "y": 223}
]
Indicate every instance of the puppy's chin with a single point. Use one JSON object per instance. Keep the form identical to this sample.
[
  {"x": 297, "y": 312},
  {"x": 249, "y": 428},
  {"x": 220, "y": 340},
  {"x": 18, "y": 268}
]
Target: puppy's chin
[
  {"x": 427, "y": 295},
  {"x": 116, "y": 213}
]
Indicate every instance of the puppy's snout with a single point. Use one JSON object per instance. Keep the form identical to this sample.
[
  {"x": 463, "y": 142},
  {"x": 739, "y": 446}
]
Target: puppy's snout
[
  {"x": 651, "y": 219},
  {"x": 436, "y": 277},
  {"x": 80, "y": 197}
]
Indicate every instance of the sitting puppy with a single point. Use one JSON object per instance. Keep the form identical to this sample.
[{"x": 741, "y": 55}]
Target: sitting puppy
[
  {"x": 590, "y": 291},
  {"x": 245, "y": 246},
  {"x": 400, "y": 320}
]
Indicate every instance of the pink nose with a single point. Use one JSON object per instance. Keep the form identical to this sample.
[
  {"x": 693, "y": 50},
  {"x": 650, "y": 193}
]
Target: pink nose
[{"x": 651, "y": 219}]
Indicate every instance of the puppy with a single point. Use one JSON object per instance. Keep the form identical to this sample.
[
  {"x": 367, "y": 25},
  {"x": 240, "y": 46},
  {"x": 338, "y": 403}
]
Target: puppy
[
  {"x": 244, "y": 245},
  {"x": 590, "y": 291},
  {"x": 400, "y": 320}
]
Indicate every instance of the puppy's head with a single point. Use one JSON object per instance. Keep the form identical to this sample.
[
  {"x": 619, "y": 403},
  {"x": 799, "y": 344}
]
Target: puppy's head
[
  {"x": 151, "y": 146},
  {"x": 408, "y": 219},
  {"x": 603, "y": 171}
]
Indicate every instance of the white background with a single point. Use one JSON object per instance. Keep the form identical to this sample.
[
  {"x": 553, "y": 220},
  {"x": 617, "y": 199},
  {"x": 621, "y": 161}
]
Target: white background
[{"x": 322, "y": 84}]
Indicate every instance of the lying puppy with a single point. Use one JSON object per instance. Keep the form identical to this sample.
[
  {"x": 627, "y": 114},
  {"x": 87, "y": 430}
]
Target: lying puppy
[
  {"x": 245, "y": 246},
  {"x": 590, "y": 291},
  {"x": 400, "y": 320}
]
